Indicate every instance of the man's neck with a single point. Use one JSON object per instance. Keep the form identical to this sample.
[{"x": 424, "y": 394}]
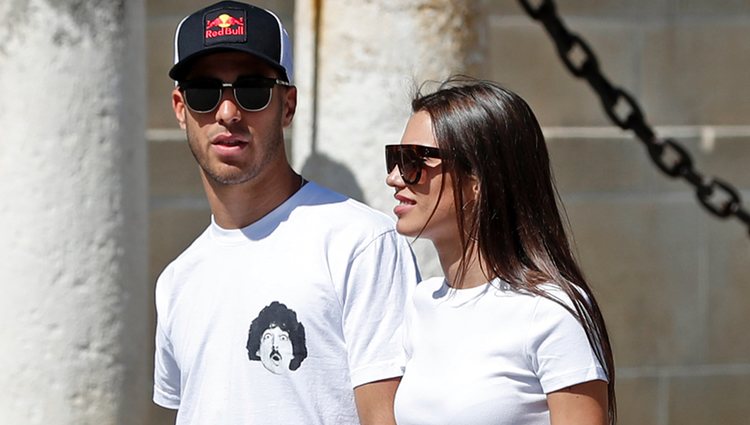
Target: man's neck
[{"x": 239, "y": 205}]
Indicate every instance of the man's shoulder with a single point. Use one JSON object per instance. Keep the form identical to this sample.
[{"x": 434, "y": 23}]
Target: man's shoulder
[
  {"x": 339, "y": 209},
  {"x": 196, "y": 247}
]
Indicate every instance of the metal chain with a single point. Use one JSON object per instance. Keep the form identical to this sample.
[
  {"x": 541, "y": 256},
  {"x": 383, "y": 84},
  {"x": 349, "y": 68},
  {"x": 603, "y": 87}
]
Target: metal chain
[{"x": 717, "y": 196}]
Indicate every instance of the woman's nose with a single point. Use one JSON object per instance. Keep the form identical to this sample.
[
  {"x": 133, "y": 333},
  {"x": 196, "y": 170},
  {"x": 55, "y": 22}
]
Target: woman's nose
[{"x": 393, "y": 178}]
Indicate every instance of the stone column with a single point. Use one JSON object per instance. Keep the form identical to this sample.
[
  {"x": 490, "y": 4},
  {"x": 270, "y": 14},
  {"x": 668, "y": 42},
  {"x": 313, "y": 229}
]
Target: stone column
[
  {"x": 74, "y": 295},
  {"x": 357, "y": 65}
]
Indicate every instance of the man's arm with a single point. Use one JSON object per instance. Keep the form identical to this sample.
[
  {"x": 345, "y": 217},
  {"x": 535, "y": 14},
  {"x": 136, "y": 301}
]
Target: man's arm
[
  {"x": 375, "y": 402},
  {"x": 374, "y": 298},
  {"x": 161, "y": 415}
]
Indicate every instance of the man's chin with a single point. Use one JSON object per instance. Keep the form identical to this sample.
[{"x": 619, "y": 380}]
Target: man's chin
[{"x": 228, "y": 177}]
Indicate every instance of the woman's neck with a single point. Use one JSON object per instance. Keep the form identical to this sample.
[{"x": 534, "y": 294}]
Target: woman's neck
[{"x": 461, "y": 271}]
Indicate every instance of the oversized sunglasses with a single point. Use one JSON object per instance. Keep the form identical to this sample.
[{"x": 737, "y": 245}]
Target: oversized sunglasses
[
  {"x": 251, "y": 93},
  {"x": 410, "y": 160}
]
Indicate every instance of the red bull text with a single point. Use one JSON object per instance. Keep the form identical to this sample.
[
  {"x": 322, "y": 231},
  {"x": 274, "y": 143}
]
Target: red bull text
[{"x": 224, "y": 25}]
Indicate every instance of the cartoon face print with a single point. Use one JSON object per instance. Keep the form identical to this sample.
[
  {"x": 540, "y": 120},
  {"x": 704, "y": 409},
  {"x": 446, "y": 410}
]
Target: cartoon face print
[
  {"x": 277, "y": 339},
  {"x": 275, "y": 349}
]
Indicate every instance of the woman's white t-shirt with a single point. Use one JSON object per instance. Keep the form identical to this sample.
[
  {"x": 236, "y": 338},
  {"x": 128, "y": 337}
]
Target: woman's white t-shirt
[{"x": 488, "y": 355}]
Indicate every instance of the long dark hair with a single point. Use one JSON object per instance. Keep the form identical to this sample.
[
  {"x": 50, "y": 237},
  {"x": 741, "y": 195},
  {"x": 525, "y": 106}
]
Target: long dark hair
[{"x": 489, "y": 135}]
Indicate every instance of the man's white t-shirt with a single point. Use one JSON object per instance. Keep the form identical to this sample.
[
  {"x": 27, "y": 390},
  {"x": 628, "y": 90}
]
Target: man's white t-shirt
[
  {"x": 276, "y": 323},
  {"x": 488, "y": 355}
]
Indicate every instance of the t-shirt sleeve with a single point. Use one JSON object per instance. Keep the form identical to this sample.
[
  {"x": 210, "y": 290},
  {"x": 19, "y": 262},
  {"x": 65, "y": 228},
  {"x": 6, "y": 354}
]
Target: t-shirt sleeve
[
  {"x": 377, "y": 282},
  {"x": 166, "y": 370},
  {"x": 559, "y": 349},
  {"x": 406, "y": 338}
]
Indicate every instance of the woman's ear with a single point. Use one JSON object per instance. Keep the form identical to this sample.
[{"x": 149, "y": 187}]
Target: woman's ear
[
  {"x": 471, "y": 192},
  {"x": 475, "y": 187}
]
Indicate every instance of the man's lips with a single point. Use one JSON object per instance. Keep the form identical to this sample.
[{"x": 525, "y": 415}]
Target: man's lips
[
  {"x": 229, "y": 143},
  {"x": 229, "y": 140}
]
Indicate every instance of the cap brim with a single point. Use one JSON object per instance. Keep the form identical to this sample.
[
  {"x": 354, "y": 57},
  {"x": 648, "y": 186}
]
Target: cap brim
[{"x": 180, "y": 69}]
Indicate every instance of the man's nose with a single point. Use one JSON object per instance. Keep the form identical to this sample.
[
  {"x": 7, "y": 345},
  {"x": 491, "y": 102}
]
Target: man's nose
[{"x": 228, "y": 111}]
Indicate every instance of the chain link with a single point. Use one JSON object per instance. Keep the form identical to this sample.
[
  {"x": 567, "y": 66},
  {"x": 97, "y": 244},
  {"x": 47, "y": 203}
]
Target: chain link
[{"x": 718, "y": 197}]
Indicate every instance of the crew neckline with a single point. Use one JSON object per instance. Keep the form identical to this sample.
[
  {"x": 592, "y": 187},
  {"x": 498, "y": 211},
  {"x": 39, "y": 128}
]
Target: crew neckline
[
  {"x": 460, "y": 296},
  {"x": 263, "y": 226}
]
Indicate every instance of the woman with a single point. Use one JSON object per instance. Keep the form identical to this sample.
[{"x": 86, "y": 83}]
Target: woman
[{"x": 512, "y": 334}]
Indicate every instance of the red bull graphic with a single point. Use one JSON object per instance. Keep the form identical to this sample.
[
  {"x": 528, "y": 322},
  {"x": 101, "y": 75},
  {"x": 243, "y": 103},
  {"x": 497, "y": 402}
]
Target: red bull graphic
[{"x": 224, "y": 25}]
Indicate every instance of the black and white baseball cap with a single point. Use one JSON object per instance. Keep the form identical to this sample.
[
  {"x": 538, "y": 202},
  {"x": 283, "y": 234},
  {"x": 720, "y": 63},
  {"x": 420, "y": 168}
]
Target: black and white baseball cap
[{"x": 232, "y": 26}]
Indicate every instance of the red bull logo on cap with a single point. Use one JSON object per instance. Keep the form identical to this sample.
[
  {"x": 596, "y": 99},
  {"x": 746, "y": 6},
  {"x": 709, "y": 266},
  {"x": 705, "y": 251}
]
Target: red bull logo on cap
[{"x": 225, "y": 25}]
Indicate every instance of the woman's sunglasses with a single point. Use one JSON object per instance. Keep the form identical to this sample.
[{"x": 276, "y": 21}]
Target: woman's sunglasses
[
  {"x": 251, "y": 93},
  {"x": 410, "y": 160}
]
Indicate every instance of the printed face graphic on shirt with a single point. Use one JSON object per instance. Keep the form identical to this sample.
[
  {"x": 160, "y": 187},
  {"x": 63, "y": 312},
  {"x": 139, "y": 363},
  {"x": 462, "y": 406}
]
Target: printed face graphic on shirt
[
  {"x": 277, "y": 339},
  {"x": 275, "y": 350}
]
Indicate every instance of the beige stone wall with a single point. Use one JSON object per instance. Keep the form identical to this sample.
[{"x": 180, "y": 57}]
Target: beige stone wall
[{"x": 672, "y": 280}]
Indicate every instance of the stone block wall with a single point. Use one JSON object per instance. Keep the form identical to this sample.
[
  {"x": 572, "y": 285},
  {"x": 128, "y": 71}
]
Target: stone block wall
[{"x": 672, "y": 280}]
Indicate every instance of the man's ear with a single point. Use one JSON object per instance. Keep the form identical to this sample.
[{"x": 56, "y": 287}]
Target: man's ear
[
  {"x": 290, "y": 105},
  {"x": 257, "y": 353},
  {"x": 178, "y": 105}
]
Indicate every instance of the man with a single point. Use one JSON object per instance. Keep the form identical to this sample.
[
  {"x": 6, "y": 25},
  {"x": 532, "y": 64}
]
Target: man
[{"x": 274, "y": 240}]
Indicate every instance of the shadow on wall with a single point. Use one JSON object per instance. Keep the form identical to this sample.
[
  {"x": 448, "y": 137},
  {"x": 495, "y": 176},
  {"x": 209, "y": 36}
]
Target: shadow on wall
[{"x": 335, "y": 175}]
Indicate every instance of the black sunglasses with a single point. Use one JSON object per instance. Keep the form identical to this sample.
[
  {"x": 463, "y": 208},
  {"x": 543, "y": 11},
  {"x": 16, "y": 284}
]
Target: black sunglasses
[
  {"x": 410, "y": 160},
  {"x": 251, "y": 93}
]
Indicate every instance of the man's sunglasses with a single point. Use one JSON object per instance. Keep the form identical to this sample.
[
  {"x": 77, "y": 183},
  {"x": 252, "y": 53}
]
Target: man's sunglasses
[
  {"x": 410, "y": 160},
  {"x": 251, "y": 93}
]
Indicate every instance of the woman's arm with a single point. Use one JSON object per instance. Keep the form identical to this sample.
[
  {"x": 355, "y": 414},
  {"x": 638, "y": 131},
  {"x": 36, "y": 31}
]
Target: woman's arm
[
  {"x": 581, "y": 404},
  {"x": 375, "y": 402}
]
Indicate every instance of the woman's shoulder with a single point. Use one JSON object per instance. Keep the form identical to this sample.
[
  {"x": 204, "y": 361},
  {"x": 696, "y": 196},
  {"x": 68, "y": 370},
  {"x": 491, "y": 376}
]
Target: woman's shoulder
[
  {"x": 557, "y": 308},
  {"x": 430, "y": 284}
]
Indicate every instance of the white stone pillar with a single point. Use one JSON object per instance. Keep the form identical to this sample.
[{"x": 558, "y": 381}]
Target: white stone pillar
[
  {"x": 74, "y": 295},
  {"x": 355, "y": 92}
]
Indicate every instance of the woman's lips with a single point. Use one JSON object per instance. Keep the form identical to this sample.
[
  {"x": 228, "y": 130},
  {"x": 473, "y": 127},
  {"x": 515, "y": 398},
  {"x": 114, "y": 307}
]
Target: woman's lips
[{"x": 404, "y": 205}]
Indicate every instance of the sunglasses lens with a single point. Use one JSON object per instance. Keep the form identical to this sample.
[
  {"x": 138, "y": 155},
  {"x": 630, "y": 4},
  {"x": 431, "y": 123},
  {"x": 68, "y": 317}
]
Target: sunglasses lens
[
  {"x": 410, "y": 168},
  {"x": 253, "y": 98},
  {"x": 202, "y": 99},
  {"x": 409, "y": 164},
  {"x": 251, "y": 94}
]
